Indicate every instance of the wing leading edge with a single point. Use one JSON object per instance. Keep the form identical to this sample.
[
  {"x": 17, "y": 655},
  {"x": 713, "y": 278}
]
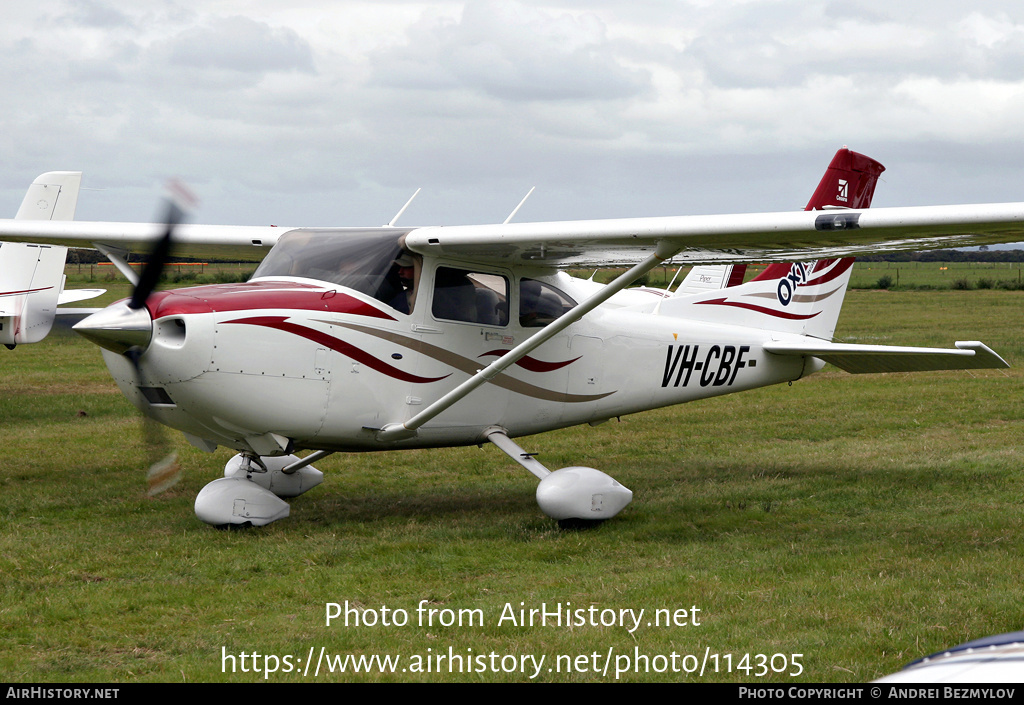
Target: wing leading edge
[{"x": 246, "y": 243}]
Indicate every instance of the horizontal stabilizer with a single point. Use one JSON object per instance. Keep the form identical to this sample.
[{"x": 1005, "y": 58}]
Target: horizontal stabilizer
[
  {"x": 77, "y": 311},
  {"x": 863, "y": 359},
  {"x": 70, "y": 296}
]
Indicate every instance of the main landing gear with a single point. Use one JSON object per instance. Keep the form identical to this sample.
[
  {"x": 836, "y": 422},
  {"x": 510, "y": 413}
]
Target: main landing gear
[{"x": 575, "y": 496}]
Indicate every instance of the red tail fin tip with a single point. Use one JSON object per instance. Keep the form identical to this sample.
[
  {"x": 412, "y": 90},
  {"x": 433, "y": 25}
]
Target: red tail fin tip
[{"x": 848, "y": 182}]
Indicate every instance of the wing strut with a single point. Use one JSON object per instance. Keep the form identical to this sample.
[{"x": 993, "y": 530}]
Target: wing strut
[
  {"x": 401, "y": 431},
  {"x": 308, "y": 460},
  {"x": 116, "y": 257}
]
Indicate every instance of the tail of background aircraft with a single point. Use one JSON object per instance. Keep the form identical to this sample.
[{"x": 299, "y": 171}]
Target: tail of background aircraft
[
  {"x": 801, "y": 298},
  {"x": 32, "y": 276}
]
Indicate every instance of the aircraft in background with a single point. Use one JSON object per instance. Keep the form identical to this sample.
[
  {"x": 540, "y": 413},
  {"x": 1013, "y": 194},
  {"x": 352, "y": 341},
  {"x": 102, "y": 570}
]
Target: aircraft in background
[
  {"x": 993, "y": 659},
  {"x": 388, "y": 338}
]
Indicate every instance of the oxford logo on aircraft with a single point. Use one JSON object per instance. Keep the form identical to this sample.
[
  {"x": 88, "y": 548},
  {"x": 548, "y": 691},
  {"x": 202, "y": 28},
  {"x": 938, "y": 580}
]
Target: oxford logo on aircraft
[{"x": 798, "y": 274}]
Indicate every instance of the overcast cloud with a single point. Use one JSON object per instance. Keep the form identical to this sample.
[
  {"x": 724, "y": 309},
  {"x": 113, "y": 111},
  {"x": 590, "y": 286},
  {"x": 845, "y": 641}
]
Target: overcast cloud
[{"x": 333, "y": 113}]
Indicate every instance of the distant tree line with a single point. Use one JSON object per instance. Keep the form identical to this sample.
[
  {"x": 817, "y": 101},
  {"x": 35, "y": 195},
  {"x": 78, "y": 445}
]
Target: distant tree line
[
  {"x": 947, "y": 256},
  {"x": 82, "y": 255}
]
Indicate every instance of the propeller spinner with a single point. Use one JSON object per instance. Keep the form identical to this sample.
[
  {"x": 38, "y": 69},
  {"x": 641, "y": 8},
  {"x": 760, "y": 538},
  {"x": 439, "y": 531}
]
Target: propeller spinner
[{"x": 126, "y": 326}]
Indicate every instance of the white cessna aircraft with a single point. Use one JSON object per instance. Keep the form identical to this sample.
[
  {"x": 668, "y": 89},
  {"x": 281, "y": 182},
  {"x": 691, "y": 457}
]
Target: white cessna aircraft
[{"x": 363, "y": 339}]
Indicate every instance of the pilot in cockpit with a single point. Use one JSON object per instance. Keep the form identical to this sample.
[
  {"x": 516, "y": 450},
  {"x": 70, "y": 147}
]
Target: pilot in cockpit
[{"x": 404, "y": 268}]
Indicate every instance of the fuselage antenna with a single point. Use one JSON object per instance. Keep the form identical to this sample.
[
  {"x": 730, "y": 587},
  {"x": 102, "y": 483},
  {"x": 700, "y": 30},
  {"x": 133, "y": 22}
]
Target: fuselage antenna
[
  {"x": 668, "y": 291},
  {"x": 399, "y": 213},
  {"x": 516, "y": 209}
]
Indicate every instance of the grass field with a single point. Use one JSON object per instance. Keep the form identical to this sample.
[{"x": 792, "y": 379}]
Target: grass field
[
  {"x": 859, "y": 521},
  {"x": 938, "y": 275}
]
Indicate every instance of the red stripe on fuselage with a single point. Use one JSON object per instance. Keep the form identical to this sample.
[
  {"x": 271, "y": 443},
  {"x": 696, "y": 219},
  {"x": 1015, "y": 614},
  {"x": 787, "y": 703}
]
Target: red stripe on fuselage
[
  {"x": 258, "y": 296},
  {"x": 773, "y": 271},
  {"x": 281, "y": 323}
]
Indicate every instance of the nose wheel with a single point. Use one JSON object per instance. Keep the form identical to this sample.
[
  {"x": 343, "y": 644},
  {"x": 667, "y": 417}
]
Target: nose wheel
[{"x": 251, "y": 491}]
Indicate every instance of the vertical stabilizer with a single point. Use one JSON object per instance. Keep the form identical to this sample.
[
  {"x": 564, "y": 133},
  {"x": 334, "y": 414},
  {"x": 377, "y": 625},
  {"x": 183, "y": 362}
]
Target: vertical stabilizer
[
  {"x": 711, "y": 277},
  {"x": 791, "y": 297},
  {"x": 52, "y": 196},
  {"x": 849, "y": 182}
]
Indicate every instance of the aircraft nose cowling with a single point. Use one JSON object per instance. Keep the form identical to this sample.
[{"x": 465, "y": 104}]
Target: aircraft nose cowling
[{"x": 118, "y": 328}]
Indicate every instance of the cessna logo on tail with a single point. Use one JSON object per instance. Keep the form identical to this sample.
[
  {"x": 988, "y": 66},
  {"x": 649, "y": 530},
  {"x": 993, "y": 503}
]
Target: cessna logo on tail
[{"x": 844, "y": 190}]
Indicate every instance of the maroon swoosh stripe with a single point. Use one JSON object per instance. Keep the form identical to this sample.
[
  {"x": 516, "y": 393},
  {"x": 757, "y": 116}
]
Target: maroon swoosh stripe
[
  {"x": 533, "y": 364},
  {"x": 773, "y": 271},
  {"x": 24, "y": 291},
  {"x": 258, "y": 295},
  {"x": 471, "y": 366},
  {"x": 821, "y": 276},
  {"x": 336, "y": 344},
  {"x": 760, "y": 309}
]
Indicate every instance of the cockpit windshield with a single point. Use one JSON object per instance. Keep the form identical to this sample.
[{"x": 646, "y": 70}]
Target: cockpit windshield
[{"x": 358, "y": 259}]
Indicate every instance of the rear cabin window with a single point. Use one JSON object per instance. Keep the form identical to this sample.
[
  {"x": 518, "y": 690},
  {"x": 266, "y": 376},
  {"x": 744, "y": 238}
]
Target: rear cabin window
[{"x": 540, "y": 303}]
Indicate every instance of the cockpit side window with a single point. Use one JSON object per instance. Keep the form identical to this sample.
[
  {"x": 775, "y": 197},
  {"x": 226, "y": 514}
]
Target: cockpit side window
[
  {"x": 540, "y": 303},
  {"x": 470, "y": 297}
]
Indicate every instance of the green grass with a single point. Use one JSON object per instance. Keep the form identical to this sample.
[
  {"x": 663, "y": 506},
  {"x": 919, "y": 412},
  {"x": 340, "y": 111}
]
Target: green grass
[
  {"x": 860, "y": 521},
  {"x": 938, "y": 275}
]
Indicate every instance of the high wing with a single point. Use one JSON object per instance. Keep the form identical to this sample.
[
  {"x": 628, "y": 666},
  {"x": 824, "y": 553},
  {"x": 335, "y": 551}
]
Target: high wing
[
  {"x": 711, "y": 239},
  {"x": 235, "y": 242},
  {"x": 46, "y": 218},
  {"x": 722, "y": 239}
]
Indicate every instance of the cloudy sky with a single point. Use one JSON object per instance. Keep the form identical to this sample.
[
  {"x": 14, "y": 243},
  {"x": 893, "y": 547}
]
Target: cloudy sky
[{"x": 334, "y": 112}]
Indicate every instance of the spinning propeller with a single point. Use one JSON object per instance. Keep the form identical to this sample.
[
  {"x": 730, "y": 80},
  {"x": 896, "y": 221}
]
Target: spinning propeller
[{"x": 126, "y": 328}]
